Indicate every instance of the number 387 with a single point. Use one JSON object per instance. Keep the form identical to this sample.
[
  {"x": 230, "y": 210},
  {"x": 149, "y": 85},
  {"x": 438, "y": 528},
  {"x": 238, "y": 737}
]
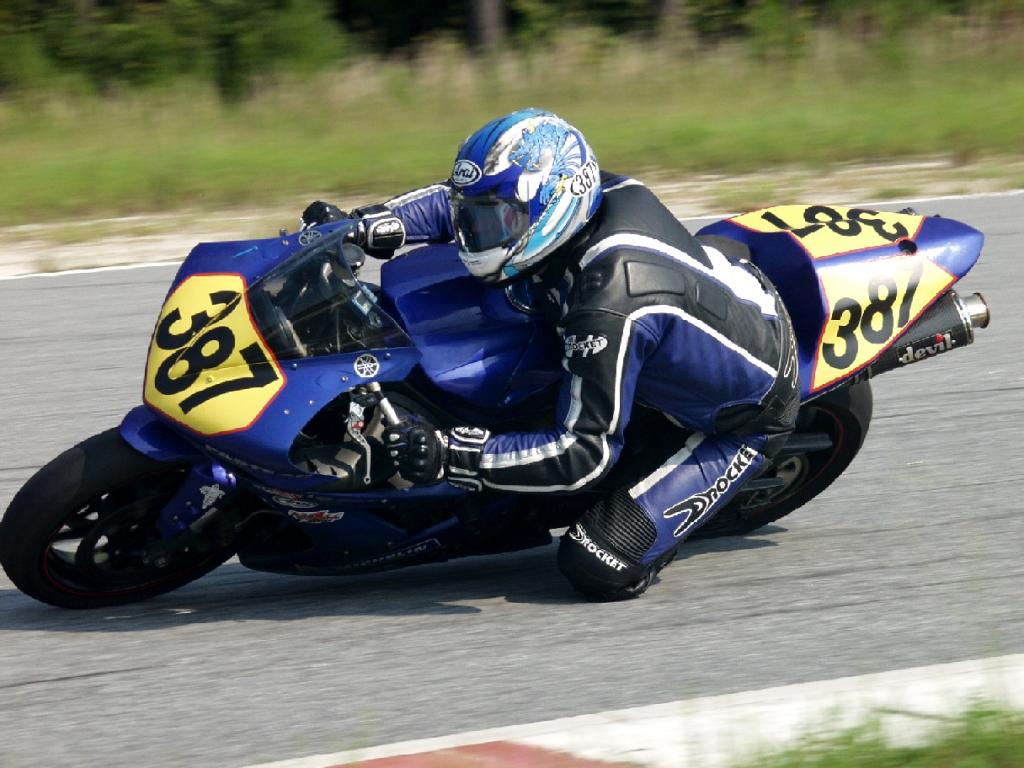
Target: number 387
[
  {"x": 873, "y": 322},
  {"x": 204, "y": 347}
]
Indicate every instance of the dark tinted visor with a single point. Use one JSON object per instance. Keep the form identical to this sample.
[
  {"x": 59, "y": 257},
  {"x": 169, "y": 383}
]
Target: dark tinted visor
[{"x": 482, "y": 223}]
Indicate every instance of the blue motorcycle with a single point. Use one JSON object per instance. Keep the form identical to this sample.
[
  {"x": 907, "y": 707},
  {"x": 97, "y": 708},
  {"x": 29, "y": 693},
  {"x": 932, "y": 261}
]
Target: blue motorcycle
[{"x": 273, "y": 370}]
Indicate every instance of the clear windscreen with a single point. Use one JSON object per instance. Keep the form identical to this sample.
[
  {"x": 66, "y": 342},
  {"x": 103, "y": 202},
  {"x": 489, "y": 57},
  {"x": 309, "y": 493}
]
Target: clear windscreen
[{"x": 312, "y": 305}]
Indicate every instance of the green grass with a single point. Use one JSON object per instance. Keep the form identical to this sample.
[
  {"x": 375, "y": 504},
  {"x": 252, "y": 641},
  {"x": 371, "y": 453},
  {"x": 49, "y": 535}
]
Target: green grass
[
  {"x": 981, "y": 738},
  {"x": 380, "y": 127},
  {"x": 894, "y": 193}
]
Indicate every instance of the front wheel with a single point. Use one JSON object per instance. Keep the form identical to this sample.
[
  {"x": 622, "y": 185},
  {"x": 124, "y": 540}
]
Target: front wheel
[
  {"x": 82, "y": 530},
  {"x": 830, "y": 431}
]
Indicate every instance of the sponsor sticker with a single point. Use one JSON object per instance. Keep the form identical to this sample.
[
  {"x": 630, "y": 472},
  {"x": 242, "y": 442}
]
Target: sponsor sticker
[
  {"x": 211, "y": 494},
  {"x": 578, "y": 534},
  {"x": 366, "y": 366},
  {"x": 292, "y": 501},
  {"x": 694, "y": 507},
  {"x": 465, "y": 173},
  {"x": 315, "y": 516},
  {"x": 592, "y": 345},
  {"x": 413, "y": 550},
  {"x": 943, "y": 342},
  {"x": 389, "y": 226}
]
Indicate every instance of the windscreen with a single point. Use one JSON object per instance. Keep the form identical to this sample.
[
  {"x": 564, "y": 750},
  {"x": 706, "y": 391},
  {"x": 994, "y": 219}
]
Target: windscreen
[{"x": 312, "y": 305}]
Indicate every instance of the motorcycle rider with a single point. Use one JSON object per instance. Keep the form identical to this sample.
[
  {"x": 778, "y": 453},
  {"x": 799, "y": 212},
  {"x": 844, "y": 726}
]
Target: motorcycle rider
[{"x": 656, "y": 326}]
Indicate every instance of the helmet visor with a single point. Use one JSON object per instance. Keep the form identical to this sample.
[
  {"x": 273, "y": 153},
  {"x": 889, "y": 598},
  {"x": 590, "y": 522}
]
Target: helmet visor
[{"x": 486, "y": 222}]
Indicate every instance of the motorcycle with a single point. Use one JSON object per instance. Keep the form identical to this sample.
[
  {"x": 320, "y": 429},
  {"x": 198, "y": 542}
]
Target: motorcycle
[{"x": 273, "y": 370}]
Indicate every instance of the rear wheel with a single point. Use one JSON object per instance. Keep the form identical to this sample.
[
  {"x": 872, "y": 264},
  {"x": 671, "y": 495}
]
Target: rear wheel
[
  {"x": 82, "y": 532},
  {"x": 830, "y": 431}
]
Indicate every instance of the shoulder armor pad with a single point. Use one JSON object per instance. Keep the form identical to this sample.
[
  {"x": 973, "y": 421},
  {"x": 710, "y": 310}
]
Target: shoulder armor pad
[{"x": 644, "y": 278}]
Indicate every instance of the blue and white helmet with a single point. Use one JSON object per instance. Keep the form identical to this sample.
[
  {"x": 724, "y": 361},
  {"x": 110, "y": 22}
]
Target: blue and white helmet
[{"x": 521, "y": 186}]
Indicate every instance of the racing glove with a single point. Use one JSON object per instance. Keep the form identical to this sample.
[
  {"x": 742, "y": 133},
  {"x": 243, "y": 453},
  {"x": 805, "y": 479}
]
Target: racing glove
[
  {"x": 318, "y": 212},
  {"x": 422, "y": 454},
  {"x": 379, "y": 231}
]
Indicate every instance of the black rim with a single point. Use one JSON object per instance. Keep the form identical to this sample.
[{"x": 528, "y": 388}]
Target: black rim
[
  {"x": 793, "y": 471},
  {"x": 111, "y": 544},
  {"x": 798, "y": 471},
  {"x": 802, "y": 469}
]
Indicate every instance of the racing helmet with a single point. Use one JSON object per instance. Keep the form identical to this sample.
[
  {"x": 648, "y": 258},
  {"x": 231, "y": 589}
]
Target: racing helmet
[{"x": 522, "y": 186}]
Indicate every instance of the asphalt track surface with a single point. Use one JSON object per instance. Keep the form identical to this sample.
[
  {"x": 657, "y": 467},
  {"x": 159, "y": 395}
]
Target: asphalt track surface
[{"x": 912, "y": 558}]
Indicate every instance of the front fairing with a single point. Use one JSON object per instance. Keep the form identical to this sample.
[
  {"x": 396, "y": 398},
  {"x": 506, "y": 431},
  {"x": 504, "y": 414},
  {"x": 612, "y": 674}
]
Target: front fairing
[{"x": 256, "y": 337}]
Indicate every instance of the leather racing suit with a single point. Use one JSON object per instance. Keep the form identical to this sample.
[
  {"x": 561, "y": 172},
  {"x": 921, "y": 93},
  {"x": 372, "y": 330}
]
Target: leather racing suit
[{"x": 652, "y": 322}]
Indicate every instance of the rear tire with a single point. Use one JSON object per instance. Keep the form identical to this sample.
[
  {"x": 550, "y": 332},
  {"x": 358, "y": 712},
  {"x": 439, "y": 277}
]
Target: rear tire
[
  {"x": 844, "y": 415},
  {"x": 74, "y": 534}
]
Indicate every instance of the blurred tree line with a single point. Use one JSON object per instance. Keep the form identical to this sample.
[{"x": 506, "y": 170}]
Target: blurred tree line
[{"x": 108, "y": 44}]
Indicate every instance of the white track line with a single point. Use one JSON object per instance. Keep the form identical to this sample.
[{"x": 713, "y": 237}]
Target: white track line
[
  {"x": 92, "y": 270},
  {"x": 718, "y": 731},
  {"x": 146, "y": 265}
]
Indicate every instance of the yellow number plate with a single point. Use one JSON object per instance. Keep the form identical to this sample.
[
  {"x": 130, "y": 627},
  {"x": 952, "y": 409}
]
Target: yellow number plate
[
  {"x": 208, "y": 366},
  {"x": 825, "y": 231},
  {"x": 869, "y": 305}
]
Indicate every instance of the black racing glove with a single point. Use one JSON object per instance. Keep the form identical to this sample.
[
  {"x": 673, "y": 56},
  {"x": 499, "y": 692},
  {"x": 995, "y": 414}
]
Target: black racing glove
[
  {"x": 422, "y": 454},
  {"x": 319, "y": 212},
  {"x": 417, "y": 451},
  {"x": 379, "y": 231}
]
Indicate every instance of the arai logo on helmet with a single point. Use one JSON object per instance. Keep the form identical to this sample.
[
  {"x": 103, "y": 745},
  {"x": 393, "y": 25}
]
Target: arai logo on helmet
[{"x": 465, "y": 172}]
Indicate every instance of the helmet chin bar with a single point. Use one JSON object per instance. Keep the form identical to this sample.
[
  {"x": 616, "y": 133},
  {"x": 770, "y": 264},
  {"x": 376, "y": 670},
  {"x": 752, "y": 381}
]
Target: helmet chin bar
[
  {"x": 485, "y": 265},
  {"x": 504, "y": 272}
]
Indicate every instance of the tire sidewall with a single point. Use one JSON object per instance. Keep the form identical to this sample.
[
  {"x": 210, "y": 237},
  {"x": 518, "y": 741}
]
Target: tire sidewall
[{"x": 58, "y": 489}]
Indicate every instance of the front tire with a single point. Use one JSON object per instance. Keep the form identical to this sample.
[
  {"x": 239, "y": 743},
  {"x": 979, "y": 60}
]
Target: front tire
[{"x": 77, "y": 534}]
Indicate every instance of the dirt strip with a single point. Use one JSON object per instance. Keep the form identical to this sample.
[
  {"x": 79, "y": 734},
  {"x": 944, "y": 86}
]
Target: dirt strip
[{"x": 168, "y": 236}]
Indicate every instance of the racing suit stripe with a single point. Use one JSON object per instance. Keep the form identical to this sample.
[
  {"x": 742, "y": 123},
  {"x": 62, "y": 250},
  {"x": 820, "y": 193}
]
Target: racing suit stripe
[
  {"x": 528, "y": 455},
  {"x": 545, "y": 450},
  {"x": 414, "y": 195},
  {"x": 668, "y": 467},
  {"x": 426, "y": 214},
  {"x": 593, "y": 409}
]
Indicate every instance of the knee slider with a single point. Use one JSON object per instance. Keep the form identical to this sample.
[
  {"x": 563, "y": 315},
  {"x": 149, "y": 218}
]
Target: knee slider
[{"x": 593, "y": 568}]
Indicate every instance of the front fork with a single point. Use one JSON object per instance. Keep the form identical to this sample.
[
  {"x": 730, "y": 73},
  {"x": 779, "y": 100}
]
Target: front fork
[
  {"x": 204, "y": 497},
  {"x": 198, "y": 502}
]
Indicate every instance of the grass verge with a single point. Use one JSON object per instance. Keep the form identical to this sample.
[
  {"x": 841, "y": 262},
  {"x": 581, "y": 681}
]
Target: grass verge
[
  {"x": 380, "y": 127},
  {"x": 981, "y": 738}
]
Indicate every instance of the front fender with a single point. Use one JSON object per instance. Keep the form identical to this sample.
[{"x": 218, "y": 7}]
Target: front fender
[{"x": 144, "y": 431}]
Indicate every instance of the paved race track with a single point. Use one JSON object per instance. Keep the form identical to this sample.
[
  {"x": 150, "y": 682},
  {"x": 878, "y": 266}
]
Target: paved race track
[{"x": 912, "y": 558}]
